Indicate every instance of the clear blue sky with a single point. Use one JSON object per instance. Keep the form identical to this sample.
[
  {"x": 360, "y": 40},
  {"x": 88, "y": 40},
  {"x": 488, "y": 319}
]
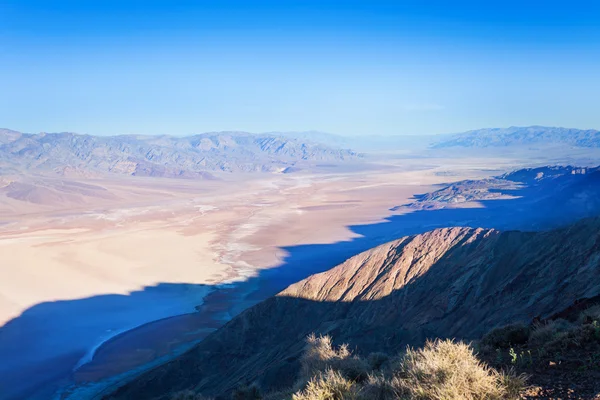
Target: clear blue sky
[{"x": 347, "y": 67}]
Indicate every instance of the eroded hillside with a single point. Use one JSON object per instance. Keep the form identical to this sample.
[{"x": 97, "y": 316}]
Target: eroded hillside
[{"x": 454, "y": 282}]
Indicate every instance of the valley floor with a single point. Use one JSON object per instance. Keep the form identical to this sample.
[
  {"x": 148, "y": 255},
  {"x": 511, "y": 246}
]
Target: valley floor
[{"x": 76, "y": 275}]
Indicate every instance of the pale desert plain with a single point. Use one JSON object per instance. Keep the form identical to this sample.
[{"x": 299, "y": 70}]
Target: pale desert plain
[{"x": 88, "y": 265}]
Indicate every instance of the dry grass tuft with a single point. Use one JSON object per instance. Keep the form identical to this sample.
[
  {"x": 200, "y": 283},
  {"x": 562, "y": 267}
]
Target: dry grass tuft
[
  {"x": 320, "y": 355},
  {"x": 328, "y": 385},
  {"x": 441, "y": 370},
  {"x": 380, "y": 387},
  {"x": 448, "y": 370}
]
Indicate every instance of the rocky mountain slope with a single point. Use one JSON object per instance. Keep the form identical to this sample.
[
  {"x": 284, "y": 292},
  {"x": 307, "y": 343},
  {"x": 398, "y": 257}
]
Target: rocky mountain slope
[
  {"x": 526, "y": 199},
  {"x": 451, "y": 282},
  {"x": 168, "y": 156},
  {"x": 522, "y": 136}
]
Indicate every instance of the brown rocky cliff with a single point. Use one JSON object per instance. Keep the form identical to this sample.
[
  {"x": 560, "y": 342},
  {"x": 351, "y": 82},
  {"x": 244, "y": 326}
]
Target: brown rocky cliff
[{"x": 455, "y": 282}]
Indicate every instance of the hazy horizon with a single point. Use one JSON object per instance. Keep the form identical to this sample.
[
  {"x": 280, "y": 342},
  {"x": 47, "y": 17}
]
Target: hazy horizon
[
  {"x": 351, "y": 68},
  {"x": 289, "y": 132}
]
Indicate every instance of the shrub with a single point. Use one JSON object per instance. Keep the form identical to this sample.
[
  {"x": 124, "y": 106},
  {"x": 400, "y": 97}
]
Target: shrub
[
  {"x": 188, "y": 395},
  {"x": 378, "y": 387},
  {"x": 542, "y": 333},
  {"x": 328, "y": 385},
  {"x": 513, "y": 384},
  {"x": 574, "y": 338},
  {"x": 377, "y": 360},
  {"x": 590, "y": 314},
  {"x": 447, "y": 370},
  {"x": 506, "y": 336},
  {"x": 441, "y": 370},
  {"x": 246, "y": 393},
  {"x": 279, "y": 394},
  {"x": 320, "y": 355}
]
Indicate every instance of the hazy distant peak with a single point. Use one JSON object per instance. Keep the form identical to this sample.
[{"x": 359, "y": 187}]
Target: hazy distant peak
[
  {"x": 519, "y": 136},
  {"x": 7, "y": 135},
  {"x": 164, "y": 155}
]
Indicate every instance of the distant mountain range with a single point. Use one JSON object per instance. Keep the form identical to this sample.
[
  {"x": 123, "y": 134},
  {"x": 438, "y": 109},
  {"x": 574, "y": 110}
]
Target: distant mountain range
[
  {"x": 531, "y": 136},
  {"x": 166, "y": 156},
  {"x": 199, "y": 156},
  {"x": 521, "y": 136}
]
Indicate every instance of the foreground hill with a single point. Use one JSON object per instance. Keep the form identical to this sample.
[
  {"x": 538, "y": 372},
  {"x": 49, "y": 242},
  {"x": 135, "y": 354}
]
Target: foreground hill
[
  {"x": 522, "y": 136},
  {"x": 166, "y": 156},
  {"x": 452, "y": 282}
]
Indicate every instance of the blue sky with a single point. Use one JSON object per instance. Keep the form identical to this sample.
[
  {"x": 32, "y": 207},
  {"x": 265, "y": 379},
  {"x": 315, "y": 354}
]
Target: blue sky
[{"x": 347, "y": 67}]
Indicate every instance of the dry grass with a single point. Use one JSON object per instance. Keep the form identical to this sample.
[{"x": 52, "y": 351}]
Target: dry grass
[
  {"x": 448, "y": 370},
  {"x": 542, "y": 333},
  {"x": 328, "y": 385},
  {"x": 441, "y": 370},
  {"x": 320, "y": 355},
  {"x": 381, "y": 387}
]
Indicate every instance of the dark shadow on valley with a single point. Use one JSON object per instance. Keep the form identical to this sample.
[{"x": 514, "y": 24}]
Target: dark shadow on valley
[
  {"x": 263, "y": 346},
  {"x": 30, "y": 344}
]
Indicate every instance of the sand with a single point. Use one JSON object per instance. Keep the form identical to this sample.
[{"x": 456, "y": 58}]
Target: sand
[
  {"x": 71, "y": 278},
  {"x": 72, "y": 264}
]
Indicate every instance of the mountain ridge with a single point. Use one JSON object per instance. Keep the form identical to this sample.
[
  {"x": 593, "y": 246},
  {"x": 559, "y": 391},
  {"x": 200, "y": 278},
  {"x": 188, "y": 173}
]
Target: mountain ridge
[
  {"x": 521, "y": 136},
  {"x": 193, "y": 156},
  {"x": 449, "y": 282}
]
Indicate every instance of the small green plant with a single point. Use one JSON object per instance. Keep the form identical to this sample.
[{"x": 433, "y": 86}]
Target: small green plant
[
  {"x": 596, "y": 326},
  {"x": 513, "y": 355}
]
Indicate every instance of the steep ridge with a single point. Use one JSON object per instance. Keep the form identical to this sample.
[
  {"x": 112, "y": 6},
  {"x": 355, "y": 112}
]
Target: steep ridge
[
  {"x": 451, "y": 282},
  {"x": 166, "y": 156}
]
